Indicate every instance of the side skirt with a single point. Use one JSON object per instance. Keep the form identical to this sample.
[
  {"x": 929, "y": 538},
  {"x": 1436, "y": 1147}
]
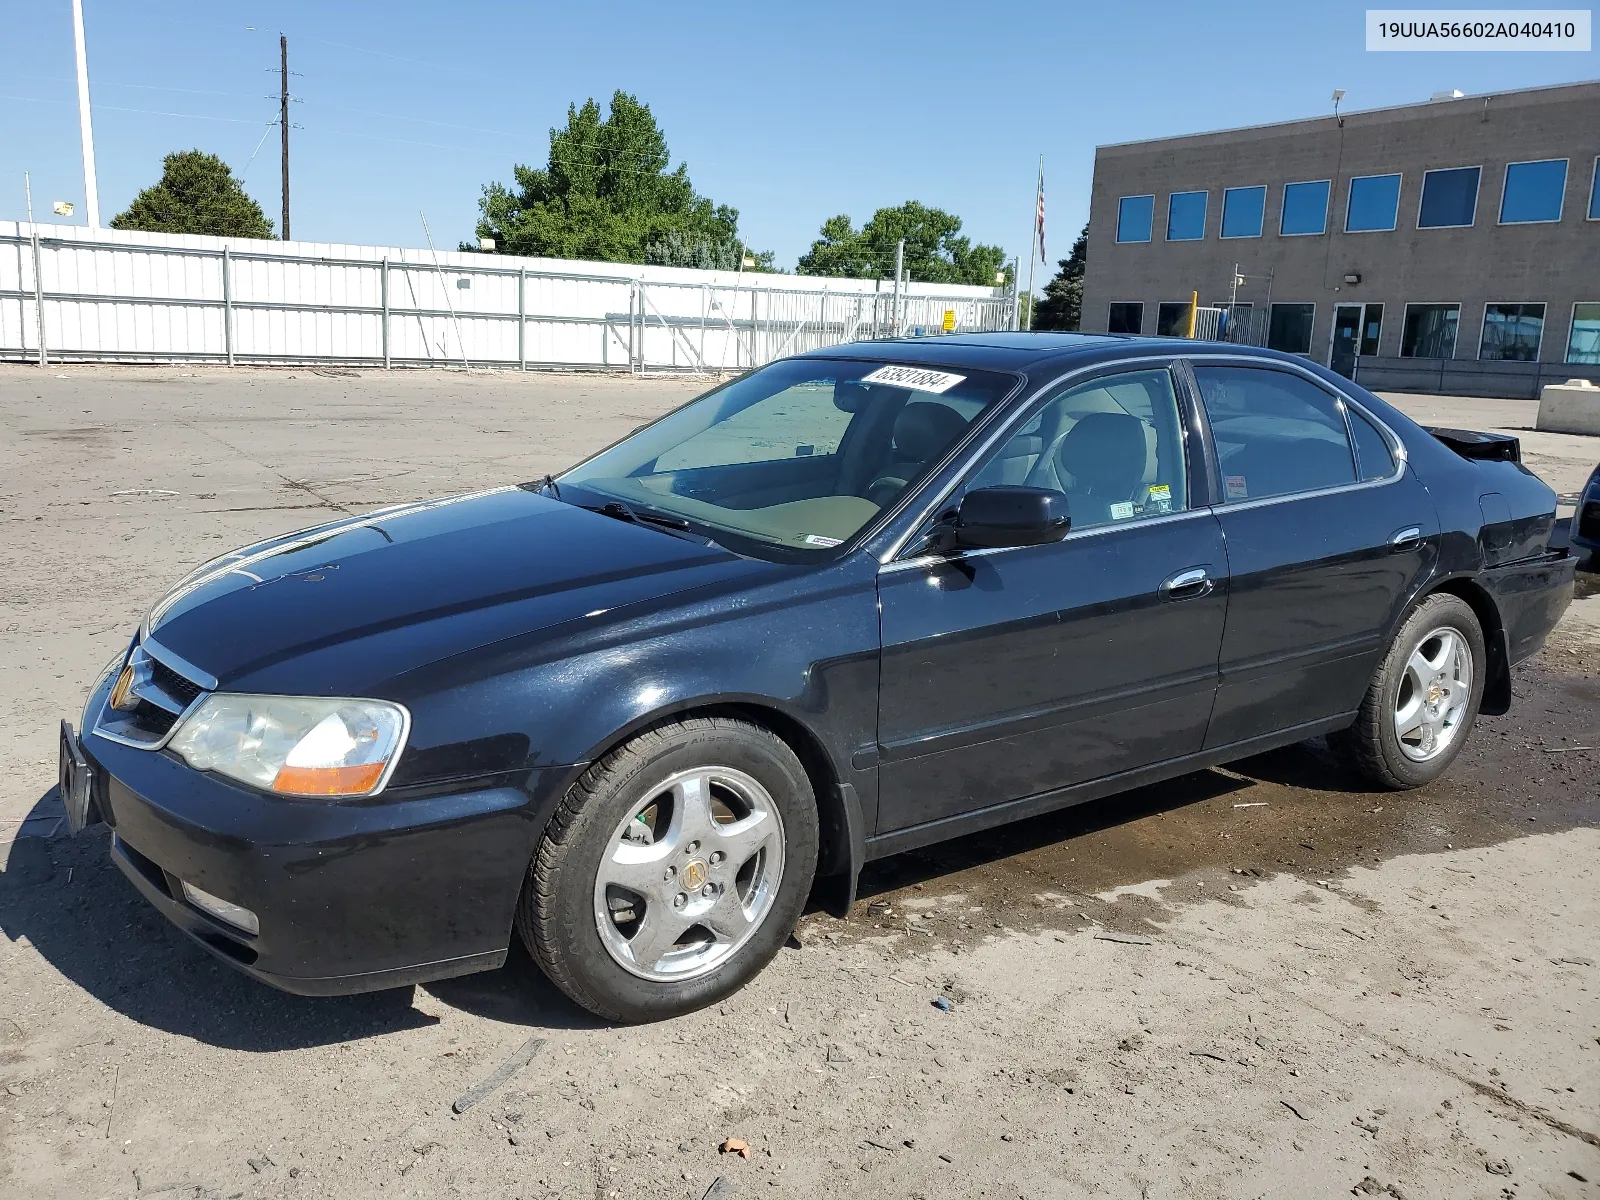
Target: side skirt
[{"x": 917, "y": 836}]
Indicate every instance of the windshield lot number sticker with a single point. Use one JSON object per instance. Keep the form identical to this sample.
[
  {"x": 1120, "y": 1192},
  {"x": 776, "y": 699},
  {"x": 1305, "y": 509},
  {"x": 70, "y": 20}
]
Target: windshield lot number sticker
[
  {"x": 1122, "y": 510},
  {"x": 817, "y": 539},
  {"x": 918, "y": 379}
]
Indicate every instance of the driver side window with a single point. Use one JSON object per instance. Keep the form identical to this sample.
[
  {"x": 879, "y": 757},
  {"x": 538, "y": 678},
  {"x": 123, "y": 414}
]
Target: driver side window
[{"x": 1113, "y": 446}]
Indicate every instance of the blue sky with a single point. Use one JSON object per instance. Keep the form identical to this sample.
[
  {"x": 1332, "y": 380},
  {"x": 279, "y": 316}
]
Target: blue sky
[{"x": 789, "y": 113}]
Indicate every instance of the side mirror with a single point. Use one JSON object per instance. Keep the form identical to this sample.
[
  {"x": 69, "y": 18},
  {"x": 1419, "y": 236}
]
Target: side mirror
[{"x": 1011, "y": 515}]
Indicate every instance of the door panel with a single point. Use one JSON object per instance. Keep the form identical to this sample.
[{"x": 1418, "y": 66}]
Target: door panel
[
  {"x": 1316, "y": 579},
  {"x": 1011, "y": 673}
]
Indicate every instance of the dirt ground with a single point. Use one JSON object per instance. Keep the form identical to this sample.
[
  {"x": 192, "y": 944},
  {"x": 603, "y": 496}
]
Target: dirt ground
[{"x": 1249, "y": 982}]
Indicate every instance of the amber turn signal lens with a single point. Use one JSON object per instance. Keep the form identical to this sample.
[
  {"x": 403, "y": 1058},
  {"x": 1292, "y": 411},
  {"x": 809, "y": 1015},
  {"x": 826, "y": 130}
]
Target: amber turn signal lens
[{"x": 328, "y": 781}]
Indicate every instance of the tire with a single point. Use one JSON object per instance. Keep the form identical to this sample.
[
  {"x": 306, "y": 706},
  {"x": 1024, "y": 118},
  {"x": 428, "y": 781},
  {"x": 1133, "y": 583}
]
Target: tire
[
  {"x": 654, "y": 815},
  {"x": 1420, "y": 659}
]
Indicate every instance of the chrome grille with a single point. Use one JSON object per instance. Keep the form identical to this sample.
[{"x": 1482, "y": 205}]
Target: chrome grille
[{"x": 159, "y": 696}]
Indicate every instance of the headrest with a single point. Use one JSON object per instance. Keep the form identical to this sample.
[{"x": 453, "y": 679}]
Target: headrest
[
  {"x": 923, "y": 431},
  {"x": 850, "y": 395},
  {"x": 1104, "y": 452}
]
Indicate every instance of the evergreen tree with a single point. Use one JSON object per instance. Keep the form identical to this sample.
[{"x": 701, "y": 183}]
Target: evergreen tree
[
  {"x": 1062, "y": 305},
  {"x": 197, "y": 194}
]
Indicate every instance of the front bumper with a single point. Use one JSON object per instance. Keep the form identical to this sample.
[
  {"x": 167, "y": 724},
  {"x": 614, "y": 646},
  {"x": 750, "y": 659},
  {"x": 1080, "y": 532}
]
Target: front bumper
[{"x": 350, "y": 897}]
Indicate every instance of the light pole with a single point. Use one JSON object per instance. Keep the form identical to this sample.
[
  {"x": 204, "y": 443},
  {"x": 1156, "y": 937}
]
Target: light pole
[{"x": 91, "y": 192}]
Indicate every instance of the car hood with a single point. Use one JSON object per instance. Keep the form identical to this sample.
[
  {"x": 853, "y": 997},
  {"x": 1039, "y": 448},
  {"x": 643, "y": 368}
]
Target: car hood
[{"x": 351, "y": 603}]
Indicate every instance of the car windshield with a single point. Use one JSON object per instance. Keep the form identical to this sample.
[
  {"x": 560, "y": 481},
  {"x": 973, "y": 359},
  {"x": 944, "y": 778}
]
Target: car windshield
[{"x": 796, "y": 457}]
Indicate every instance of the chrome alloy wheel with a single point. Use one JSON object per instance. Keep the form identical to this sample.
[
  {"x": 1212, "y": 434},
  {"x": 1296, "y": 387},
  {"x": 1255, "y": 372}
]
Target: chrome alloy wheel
[
  {"x": 689, "y": 874},
  {"x": 1435, "y": 694}
]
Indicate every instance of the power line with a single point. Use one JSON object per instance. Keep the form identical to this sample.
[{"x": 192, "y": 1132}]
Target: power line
[
  {"x": 148, "y": 112},
  {"x": 147, "y": 87}
]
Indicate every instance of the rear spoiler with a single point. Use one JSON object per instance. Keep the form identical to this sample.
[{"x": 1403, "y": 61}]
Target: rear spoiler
[{"x": 1489, "y": 447}]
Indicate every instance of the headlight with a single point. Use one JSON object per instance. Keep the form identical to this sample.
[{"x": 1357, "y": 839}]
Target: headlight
[{"x": 295, "y": 745}]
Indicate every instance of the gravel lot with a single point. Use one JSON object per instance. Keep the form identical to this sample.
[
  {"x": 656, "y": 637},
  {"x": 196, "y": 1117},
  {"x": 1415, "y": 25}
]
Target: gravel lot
[{"x": 1247, "y": 982}]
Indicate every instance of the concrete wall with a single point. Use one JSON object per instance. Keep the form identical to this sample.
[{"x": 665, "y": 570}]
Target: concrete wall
[{"x": 1557, "y": 264}]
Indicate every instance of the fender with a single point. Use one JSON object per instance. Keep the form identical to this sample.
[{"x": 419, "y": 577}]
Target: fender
[{"x": 561, "y": 698}]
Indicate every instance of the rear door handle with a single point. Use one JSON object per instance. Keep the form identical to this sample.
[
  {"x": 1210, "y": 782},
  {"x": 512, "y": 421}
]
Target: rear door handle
[
  {"x": 1407, "y": 539},
  {"x": 1187, "y": 584}
]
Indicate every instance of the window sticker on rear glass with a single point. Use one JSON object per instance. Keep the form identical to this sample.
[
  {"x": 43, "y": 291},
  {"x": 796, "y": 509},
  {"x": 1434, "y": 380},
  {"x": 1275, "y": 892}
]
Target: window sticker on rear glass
[
  {"x": 817, "y": 539},
  {"x": 1122, "y": 510},
  {"x": 1234, "y": 485},
  {"x": 918, "y": 379}
]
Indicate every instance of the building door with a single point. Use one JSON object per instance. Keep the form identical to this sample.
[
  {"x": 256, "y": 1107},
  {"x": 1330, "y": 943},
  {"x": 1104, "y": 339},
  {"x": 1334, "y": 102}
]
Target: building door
[
  {"x": 1346, "y": 339},
  {"x": 1371, "y": 329}
]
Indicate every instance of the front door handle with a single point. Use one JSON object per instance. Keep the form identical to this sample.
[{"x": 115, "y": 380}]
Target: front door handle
[
  {"x": 1406, "y": 540},
  {"x": 1187, "y": 584}
]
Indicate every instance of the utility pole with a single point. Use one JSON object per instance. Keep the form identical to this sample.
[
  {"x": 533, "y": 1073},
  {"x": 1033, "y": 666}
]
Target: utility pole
[
  {"x": 91, "y": 191},
  {"x": 899, "y": 260},
  {"x": 283, "y": 122}
]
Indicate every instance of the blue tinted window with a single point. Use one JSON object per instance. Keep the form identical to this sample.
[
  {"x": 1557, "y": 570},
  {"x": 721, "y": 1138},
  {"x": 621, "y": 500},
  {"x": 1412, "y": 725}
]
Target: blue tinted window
[
  {"x": 1135, "y": 214},
  {"x": 1242, "y": 209},
  {"x": 1305, "y": 208},
  {"x": 1186, "y": 216},
  {"x": 1512, "y": 332},
  {"x": 1449, "y": 198},
  {"x": 1374, "y": 201},
  {"x": 1594, "y": 193},
  {"x": 1533, "y": 191}
]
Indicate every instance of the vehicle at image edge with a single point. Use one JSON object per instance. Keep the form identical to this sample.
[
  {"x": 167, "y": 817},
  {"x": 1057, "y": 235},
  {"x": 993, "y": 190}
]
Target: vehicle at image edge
[
  {"x": 846, "y": 605},
  {"x": 1586, "y": 518}
]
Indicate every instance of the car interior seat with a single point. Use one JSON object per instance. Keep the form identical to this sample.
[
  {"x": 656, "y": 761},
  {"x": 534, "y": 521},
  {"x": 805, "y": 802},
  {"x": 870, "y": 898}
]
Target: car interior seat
[
  {"x": 922, "y": 432},
  {"x": 1103, "y": 460}
]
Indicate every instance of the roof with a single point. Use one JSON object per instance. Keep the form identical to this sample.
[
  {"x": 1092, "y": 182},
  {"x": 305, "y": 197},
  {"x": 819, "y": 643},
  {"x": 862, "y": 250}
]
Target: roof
[
  {"x": 1042, "y": 355},
  {"x": 998, "y": 351},
  {"x": 1545, "y": 93}
]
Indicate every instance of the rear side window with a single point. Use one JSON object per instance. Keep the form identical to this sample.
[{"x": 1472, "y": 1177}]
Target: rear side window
[
  {"x": 1373, "y": 455},
  {"x": 1276, "y": 433}
]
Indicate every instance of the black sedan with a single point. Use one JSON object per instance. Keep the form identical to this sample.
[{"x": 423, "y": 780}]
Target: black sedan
[
  {"x": 848, "y": 604},
  {"x": 1586, "y": 520}
]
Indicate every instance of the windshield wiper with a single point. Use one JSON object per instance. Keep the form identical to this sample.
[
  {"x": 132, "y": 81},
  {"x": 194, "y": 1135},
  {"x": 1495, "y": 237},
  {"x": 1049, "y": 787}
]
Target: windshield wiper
[
  {"x": 623, "y": 512},
  {"x": 649, "y": 519},
  {"x": 545, "y": 484}
]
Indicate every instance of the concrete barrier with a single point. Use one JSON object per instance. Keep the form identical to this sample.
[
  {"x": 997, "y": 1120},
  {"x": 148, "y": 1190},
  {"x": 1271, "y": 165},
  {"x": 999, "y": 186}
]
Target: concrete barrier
[{"x": 1571, "y": 407}]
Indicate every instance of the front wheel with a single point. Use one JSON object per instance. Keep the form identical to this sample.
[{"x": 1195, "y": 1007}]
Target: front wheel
[
  {"x": 673, "y": 870},
  {"x": 1423, "y": 700}
]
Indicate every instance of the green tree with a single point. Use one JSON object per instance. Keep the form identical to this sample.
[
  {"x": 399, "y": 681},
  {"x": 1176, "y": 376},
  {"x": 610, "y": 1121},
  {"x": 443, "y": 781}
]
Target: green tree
[
  {"x": 936, "y": 252},
  {"x": 606, "y": 194},
  {"x": 1062, "y": 305},
  {"x": 197, "y": 194}
]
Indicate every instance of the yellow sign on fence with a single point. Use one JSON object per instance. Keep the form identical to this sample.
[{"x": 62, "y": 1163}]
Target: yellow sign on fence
[{"x": 949, "y": 320}]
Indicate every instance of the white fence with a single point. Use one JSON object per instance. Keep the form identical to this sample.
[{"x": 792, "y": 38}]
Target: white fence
[{"x": 72, "y": 294}]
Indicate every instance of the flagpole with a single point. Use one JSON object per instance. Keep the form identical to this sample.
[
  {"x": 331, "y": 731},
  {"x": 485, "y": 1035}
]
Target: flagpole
[{"x": 1033, "y": 242}]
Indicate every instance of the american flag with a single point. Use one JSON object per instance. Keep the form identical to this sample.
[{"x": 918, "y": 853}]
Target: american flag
[{"x": 1042, "y": 257}]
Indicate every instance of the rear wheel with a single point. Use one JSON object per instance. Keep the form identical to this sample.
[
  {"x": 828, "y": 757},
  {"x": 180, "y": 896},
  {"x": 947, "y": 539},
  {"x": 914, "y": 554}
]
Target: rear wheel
[
  {"x": 1423, "y": 700},
  {"x": 673, "y": 870}
]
